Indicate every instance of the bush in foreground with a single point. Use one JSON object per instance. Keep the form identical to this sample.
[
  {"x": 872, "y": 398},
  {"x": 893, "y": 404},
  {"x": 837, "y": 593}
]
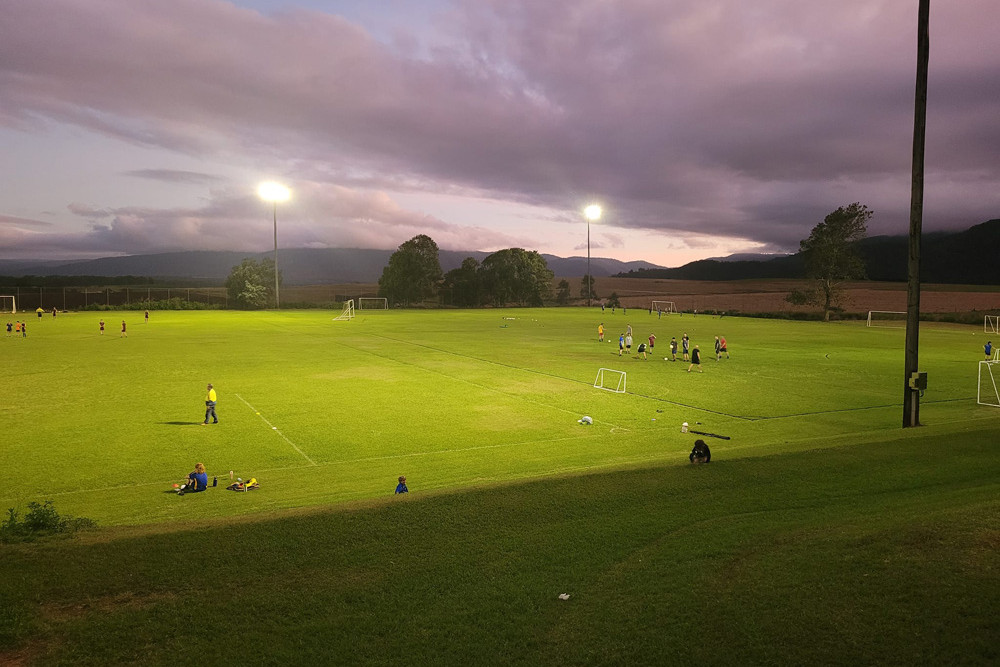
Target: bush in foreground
[{"x": 41, "y": 520}]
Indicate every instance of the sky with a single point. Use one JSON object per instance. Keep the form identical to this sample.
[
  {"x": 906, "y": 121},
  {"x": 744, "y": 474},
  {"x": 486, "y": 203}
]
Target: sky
[{"x": 702, "y": 127}]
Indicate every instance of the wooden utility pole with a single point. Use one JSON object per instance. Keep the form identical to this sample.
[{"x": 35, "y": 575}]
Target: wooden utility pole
[{"x": 911, "y": 396}]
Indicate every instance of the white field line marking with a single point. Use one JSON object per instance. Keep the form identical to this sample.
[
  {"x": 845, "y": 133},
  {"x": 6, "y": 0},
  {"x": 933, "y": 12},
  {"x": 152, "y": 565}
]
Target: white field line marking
[{"x": 275, "y": 429}]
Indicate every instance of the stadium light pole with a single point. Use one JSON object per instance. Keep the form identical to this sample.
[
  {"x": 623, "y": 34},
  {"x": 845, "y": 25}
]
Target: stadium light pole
[
  {"x": 593, "y": 214},
  {"x": 911, "y": 381},
  {"x": 274, "y": 192}
]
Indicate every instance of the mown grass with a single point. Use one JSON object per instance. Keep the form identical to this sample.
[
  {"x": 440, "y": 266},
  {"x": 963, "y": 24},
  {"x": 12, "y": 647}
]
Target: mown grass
[
  {"x": 883, "y": 553},
  {"x": 821, "y": 533}
]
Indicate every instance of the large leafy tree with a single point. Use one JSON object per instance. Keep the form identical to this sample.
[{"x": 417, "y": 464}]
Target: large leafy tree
[
  {"x": 516, "y": 275},
  {"x": 831, "y": 256},
  {"x": 413, "y": 273},
  {"x": 251, "y": 283},
  {"x": 463, "y": 284}
]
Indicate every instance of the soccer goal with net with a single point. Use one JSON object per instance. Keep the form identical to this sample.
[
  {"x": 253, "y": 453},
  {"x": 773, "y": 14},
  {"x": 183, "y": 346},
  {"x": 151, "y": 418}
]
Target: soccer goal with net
[
  {"x": 373, "y": 303},
  {"x": 348, "y": 313},
  {"x": 987, "y": 394},
  {"x": 664, "y": 307},
  {"x": 991, "y": 324},
  {"x": 609, "y": 379},
  {"x": 886, "y": 318},
  {"x": 8, "y": 305}
]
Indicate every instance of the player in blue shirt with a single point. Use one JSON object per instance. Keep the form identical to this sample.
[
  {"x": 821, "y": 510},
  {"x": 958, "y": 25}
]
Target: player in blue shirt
[
  {"x": 401, "y": 487},
  {"x": 988, "y": 348},
  {"x": 197, "y": 480}
]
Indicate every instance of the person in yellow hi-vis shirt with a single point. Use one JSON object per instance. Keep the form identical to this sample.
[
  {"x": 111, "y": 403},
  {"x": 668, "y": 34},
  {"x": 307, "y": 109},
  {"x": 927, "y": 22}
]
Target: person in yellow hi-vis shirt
[
  {"x": 210, "y": 407},
  {"x": 600, "y": 332}
]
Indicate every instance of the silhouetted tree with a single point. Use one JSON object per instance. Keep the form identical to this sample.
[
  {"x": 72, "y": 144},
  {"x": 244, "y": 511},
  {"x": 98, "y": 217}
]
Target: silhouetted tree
[
  {"x": 516, "y": 275},
  {"x": 831, "y": 256},
  {"x": 251, "y": 283},
  {"x": 464, "y": 284},
  {"x": 413, "y": 273},
  {"x": 562, "y": 296}
]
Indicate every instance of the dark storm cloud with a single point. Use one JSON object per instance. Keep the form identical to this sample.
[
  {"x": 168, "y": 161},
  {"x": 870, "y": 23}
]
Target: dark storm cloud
[
  {"x": 176, "y": 176},
  {"x": 724, "y": 117}
]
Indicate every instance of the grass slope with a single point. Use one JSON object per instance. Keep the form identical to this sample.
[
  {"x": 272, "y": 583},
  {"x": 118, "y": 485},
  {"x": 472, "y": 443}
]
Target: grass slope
[{"x": 880, "y": 553}]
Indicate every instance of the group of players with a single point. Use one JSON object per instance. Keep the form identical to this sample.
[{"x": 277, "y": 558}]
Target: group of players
[{"x": 688, "y": 353}]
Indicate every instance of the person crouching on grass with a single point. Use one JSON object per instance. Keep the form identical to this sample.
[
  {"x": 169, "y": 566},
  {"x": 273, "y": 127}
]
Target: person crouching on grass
[
  {"x": 641, "y": 350},
  {"x": 700, "y": 453},
  {"x": 695, "y": 359}
]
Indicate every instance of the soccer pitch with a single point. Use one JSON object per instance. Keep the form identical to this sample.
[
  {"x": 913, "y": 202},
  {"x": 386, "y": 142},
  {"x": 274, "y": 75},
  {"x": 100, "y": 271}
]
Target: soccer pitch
[{"x": 325, "y": 412}]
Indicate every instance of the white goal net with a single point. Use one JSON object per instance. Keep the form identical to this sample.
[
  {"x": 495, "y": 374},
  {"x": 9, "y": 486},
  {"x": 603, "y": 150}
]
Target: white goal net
[
  {"x": 609, "y": 379},
  {"x": 373, "y": 303},
  {"x": 8, "y": 305},
  {"x": 348, "y": 313},
  {"x": 991, "y": 324},
  {"x": 664, "y": 307},
  {"x": 886, "y": 318},
  {"x": 987, "y": 393}
]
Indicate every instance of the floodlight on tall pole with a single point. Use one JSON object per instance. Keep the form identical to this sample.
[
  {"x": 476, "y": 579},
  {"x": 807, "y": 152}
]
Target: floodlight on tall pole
[
  {"x": 274, "y": 192},
  {"x": 593, "y": 214}
]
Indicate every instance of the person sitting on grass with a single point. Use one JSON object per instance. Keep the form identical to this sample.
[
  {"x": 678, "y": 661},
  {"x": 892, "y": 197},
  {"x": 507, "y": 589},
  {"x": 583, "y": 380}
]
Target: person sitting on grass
[
  {"x": 401, "y": 487},
  {"x": 196, "y": 480},
  {"x": 700, "y": 453}
]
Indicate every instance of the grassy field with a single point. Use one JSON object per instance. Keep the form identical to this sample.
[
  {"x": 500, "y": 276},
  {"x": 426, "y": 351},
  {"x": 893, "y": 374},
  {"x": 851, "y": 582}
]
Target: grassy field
[{"x": 821, "y": 533}]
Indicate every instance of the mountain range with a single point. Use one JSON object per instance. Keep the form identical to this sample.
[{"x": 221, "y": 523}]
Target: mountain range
[
  {"x": 298, "y": 266},
  {"x": 967, "y": 257}
]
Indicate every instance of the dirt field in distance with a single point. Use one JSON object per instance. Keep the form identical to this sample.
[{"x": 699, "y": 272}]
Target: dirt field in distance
[{"x": 759, "y": 296}]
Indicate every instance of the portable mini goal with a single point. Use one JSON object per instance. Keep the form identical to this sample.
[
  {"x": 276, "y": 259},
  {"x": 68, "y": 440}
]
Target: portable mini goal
[
  {"x": 886, "y": 318},
  {"x": 991, "y": 324},
  {"x": 609, "y": 379},
  {"x": 987, "y": 393},
  {"x": 7, "y": 304},
  {"x": 348, "y": 313}
]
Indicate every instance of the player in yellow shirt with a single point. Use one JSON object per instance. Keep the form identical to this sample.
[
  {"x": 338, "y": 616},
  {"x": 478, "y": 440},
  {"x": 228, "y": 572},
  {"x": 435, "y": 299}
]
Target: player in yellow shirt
[
  {"x": 210, "y": 406},
  {"x": 600, "y": 332}
]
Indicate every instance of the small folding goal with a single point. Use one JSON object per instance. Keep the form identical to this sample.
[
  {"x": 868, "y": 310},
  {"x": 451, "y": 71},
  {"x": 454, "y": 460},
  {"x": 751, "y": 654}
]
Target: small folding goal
[{"x": 609, "y": 379}]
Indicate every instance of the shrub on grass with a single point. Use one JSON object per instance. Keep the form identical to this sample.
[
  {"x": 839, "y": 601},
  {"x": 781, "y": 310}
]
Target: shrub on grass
[
  {"x": 41, "y": 520},
  {"x": 175, "y": 303}
]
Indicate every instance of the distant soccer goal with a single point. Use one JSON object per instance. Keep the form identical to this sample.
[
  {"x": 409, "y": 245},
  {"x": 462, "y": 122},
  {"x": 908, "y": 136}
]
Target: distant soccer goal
[
  {"x": 987, "y": 393},
  {"x": 348, "y": 313},
  {"x": 8, "y": 305},
  {"x": 886, "y": 318},
  {"x": 991, "y": 324},
  {"x": 609, "y": 379},
  {"x": 373, "y": 303},
  {"x": 664, "y": 307}
]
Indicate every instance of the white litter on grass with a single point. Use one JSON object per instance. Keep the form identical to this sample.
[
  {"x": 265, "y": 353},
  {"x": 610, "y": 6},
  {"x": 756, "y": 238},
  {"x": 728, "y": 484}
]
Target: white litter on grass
[
  {"x": 274, "y": 428},
  {"x": 585, "y": 420},
  {"x": 564, "y": 596}
]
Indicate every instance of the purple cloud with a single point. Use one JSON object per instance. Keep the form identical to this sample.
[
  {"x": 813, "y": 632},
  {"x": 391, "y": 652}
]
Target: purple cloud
[{"x": 685, "y": 117}]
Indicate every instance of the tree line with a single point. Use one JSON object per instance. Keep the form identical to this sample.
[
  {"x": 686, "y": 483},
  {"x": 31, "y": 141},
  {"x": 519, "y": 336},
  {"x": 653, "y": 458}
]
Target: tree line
[
  {"x": 515, "y": 276},
  {"x": 510, "y": 276}
]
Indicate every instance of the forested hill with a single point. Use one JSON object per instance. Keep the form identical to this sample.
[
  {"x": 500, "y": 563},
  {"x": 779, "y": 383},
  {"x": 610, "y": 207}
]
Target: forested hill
[
  {"x": 968, "y": 257},
  {"x": 299, "y": 266}
]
